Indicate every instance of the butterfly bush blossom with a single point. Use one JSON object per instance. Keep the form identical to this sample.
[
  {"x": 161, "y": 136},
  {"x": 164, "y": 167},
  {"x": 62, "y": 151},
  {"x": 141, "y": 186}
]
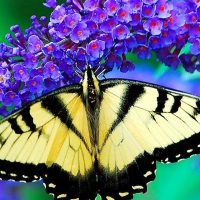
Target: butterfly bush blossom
[{"x": 99, "y": 32}]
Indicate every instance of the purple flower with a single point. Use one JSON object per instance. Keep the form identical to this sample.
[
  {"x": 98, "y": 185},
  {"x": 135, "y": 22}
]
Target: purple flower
[
  {"x": 191, "y": 18},
  {"x": 120, "y": 48},
  {"x": 63, "y": 30},
  {"x": 71, "y": 20},
  {"x": 58, "y": 14},
  {"x": 35, "y": 85},
  {"x": 92, "y": 26},
  {"x": 148, "y": 11},
  {"x": 81, "y": 54},
  {"x": 11, "y": 98},
  {"x": 124, "y": 14},
  {"x": 107, "y": 38},
  {"x": 69, "y": 71},
  {"x": 180, "y": 41},
  {"x": 4, "y": 77},
  {"x": 195, "y": 48},
  {"x": 131, "y": 42},
  {"x": 108, "y": 25},
  {"x": 163, "y": 8},
  {"x": 30, "y": 61},
  {"x": 127, "y": 66},
  {"x": 153, "y": 25},
  {"x": 187, "y": 62},
  {"x": 50, "y": 3},
  {"x": 20, "y": 73},
  {"x": 91, "y": 5},
  {"x": 141, "y": 38},
  {"x": 39, "y": 71},
  {"x": 198, "y": 12},
  {"x": 112, "y": 61},
  {"x": 80, "y": 33},
  {"x": 99, "y": 15},
  {"x": 176, "y": 20},
  {"x": 95, "y": 48},
  {"x": 172, "y": 61},
  {"x": 1, "y": 94},
  {"x": 34, "y": 44},
  {"x": 168, "y": 37},
  {"x": 143, "y": 52},
  {"x": 135, "y": 5},
  {"x": 195, "y": 30},
  {"x": 135, "y": 19},
  {"x": 49, "y": 48},
  {"x": 51, "y": 70},
  {"x": 155, "y": 42},
  {"x": 111, "y": 7},
  {"x": 25, "y": 96},
  {"x": 120, "y": 32}
]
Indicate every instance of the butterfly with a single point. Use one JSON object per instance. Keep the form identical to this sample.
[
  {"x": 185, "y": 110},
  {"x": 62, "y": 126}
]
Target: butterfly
[{"x": 99, "y": 137}]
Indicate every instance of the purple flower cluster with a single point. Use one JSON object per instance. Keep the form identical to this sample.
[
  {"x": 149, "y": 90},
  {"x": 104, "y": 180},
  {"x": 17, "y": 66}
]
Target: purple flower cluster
[{"x": 99, "y": 32}]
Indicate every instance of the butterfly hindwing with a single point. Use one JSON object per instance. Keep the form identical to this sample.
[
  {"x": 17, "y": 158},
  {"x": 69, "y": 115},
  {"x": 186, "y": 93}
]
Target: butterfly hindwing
[
  {"x": 50, "y": 139},
  {"x": 146, "y": 123}
]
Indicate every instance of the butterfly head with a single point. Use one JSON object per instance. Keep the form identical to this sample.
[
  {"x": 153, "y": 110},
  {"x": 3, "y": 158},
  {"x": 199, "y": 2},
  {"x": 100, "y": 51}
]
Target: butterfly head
[{"x": 90, "y": 79}]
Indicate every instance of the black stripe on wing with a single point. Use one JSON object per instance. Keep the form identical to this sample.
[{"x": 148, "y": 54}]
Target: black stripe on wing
[
  {"x": 53, "y": 104},
  {"x": 26, "y": 118},
  {"x": 177, "y": 104},
  {"x": 161, "y": 100},
  {"x": 56, "y": 106},
  {"x": 130, "y": 96},
  {"x": 198, "y": 108}
]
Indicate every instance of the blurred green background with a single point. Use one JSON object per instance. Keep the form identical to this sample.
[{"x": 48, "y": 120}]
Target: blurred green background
[{"x": 179, "y": 181}]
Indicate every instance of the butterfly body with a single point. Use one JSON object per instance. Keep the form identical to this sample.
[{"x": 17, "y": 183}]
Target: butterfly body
[{"x": 99, "y": 137}]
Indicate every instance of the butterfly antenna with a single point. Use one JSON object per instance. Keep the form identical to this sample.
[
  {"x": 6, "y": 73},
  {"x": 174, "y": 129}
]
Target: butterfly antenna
[
  {"x": 104, "y": 76},
  {"x": 86, "y": 61},
  {"x": 102, "y": 72},
  {"x": 97, "y": 69},
  {"x": 79, "y": 75},
  {"x": 78, "y": 71}
]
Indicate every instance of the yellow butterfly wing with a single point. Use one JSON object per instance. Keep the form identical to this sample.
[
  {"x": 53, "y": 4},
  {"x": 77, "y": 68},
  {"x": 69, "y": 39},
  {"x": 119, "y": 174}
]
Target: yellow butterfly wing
[
  {"x": 50, "y": 139},
  {"x": 139, "y": 124}
]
